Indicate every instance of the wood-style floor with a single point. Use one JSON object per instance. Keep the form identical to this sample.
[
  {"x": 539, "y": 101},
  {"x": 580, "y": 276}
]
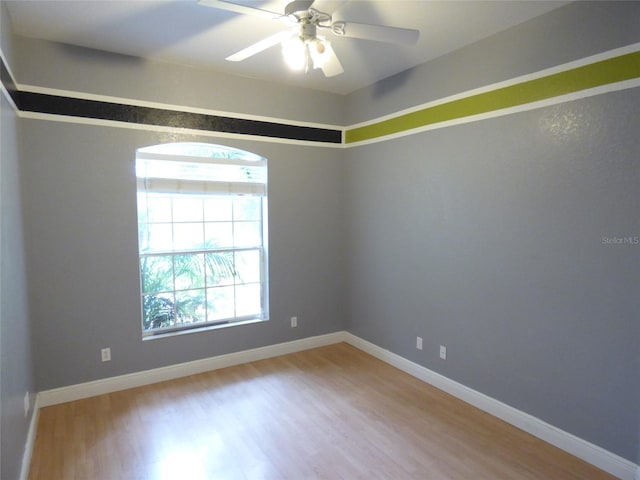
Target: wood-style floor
[{"x": 328, "y": 413}]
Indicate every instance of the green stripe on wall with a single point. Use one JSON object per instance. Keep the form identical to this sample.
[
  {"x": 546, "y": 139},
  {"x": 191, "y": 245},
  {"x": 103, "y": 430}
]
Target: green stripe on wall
[{"x": 617, "y": 69}]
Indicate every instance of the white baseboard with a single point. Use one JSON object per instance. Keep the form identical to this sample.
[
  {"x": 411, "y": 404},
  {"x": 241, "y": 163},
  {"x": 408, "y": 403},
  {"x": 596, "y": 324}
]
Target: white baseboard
[
  {"x": 138, "y": 379},
  {"x": 31, "y": 438},
  {"x": 597, "y": 456}
]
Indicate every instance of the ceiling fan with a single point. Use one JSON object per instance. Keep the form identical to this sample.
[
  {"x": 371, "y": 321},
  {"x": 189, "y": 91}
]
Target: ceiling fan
[{"x": 302, "y": 47}]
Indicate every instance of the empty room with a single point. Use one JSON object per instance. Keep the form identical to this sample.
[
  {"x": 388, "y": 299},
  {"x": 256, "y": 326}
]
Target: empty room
[{"x": 330, "y": 239}]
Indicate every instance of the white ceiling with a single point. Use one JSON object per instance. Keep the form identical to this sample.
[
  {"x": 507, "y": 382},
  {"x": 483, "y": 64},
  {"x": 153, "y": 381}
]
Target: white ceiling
[{"x": 185, "y": 32}]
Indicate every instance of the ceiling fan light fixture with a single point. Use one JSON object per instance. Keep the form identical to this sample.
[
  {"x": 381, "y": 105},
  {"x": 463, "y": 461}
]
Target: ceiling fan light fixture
[
  {"x": 294, "y": 51},
  {"x": 319, "y": 50},
  {"x": 303, "y": 53}
]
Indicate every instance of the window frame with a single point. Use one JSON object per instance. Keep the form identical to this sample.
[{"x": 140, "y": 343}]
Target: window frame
[{"x": 177, "y": 188}]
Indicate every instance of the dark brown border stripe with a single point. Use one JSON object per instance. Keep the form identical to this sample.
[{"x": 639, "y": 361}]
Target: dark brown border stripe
[
  {"x": 8, "y": 83},
  {"x": 75, "y": 107}
]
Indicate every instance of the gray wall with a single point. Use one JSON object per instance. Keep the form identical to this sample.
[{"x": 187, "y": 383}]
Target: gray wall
[
  {"x": 16, "y": 373},
  {"x": 487, "y": 238},
  {"x": 16, "y": 376},
  {"x": 82, "y": 243}
]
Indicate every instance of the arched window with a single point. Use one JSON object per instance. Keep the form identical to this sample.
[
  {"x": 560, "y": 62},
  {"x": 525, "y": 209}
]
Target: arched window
[{"x": 202, "y": 236}]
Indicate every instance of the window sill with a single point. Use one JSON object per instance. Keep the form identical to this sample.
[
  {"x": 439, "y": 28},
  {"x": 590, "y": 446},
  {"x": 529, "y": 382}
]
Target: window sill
[{"x": 204, "y": 328}]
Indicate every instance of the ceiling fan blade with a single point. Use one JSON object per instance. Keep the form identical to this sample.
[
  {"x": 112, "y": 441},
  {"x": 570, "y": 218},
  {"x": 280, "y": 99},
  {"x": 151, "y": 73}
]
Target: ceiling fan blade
[
  {"x": 332, "y": 65},
  {"x": 237, "y": 8},
  {"x": 259, "y": 46},
  {"x": 328, "y": 6},
  {"x": 297, "y": 6},
  {"x": 379, "y": 33}
]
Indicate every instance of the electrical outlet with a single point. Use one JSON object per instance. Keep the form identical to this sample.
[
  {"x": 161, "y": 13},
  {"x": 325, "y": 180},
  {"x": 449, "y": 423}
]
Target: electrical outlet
[
  {"x": 443, "y": 352},
  {"x": 26, "y": 404},
  {"x": 419, "y": 343},
  {"x": 294, "y": 322},
  {"x": 105, "y": 353}
]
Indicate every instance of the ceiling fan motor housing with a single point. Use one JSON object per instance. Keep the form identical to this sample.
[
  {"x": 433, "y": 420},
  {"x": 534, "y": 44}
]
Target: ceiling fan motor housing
[{"x": 307, "y": 30}]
